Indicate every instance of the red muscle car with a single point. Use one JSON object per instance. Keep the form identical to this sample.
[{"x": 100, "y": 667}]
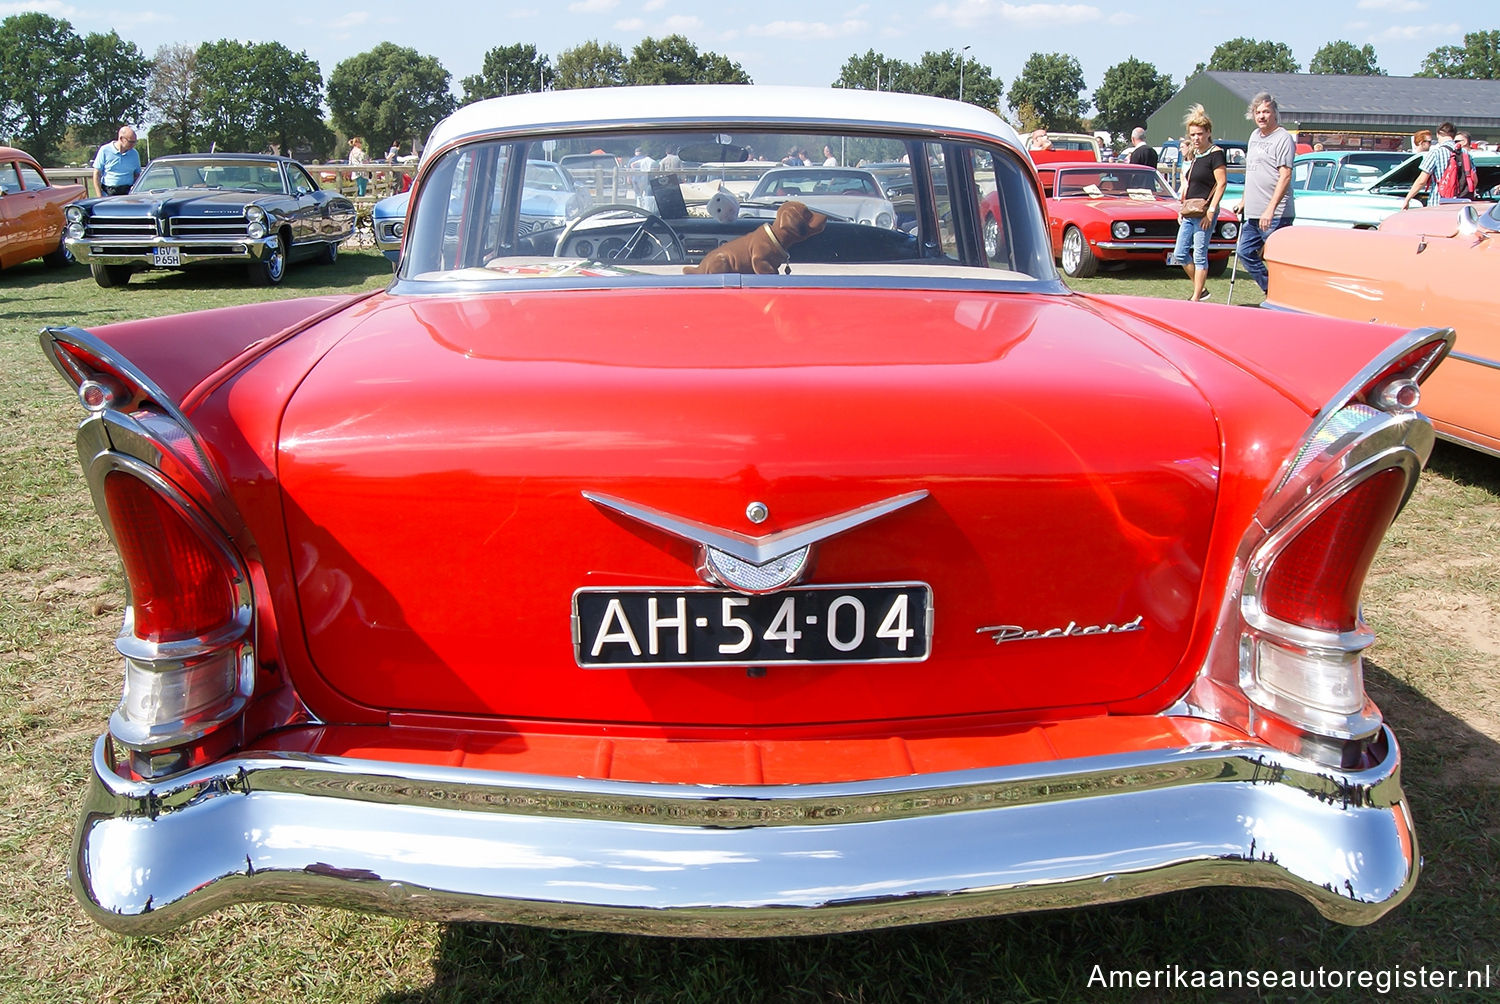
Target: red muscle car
[
  {"x": 555, "y": 585},
  {"x": 1119, "y": 213},
  {"x": 31, "y": 211}
]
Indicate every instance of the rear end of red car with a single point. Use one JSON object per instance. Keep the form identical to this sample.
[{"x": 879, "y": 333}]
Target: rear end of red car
[{"x": 960, "y": 606}]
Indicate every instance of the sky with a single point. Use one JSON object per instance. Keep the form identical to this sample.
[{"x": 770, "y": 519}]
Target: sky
[{"x": 808, "y": 47}]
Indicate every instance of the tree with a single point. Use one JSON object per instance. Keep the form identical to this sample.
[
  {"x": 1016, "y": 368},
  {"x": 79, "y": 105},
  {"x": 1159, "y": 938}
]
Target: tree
[
  {"x": 175, "y": 93},
  {"x": 110, "y": 88},
  {"x": 1128, "y": 94},
  {"x": 226, "y": 110},
  {"x": 1249, "y": 55},
  {"x": 288, "y": 100},
  {"x": 39, "y": 57},
  {"x": 508, "y": 69},
  {"x": 675, "y": 60},
  {"x": 1343, "y": 58},
  {"x": 937, "y": 73},
  {"x": 1477, "y": 59},
  {"x": 391, "y": 93},
  {"x": 1052, "y": 84},
  {"x": 590, "y": 65},
  {"x": 875, "y": 71}
]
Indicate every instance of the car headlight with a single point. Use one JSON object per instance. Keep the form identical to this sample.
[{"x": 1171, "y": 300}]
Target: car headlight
[
  {"x": 885, "y": 220},
  {"x": 398, "y": 229},
  {"x": 76, "y": 230},
  {"x": 74, "y": 213},
  {"x": 1229, "y": 231},
  {"x": 1120, "y": 229},
  {"x": 256, "y": 226}
]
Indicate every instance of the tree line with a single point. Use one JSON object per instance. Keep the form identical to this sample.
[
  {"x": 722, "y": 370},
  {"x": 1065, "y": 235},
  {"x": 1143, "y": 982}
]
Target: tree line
[{"x": 62, "y": 95}]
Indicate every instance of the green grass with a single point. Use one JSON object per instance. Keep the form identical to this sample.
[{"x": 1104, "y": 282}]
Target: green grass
[{"x": 1433, "y": 597}]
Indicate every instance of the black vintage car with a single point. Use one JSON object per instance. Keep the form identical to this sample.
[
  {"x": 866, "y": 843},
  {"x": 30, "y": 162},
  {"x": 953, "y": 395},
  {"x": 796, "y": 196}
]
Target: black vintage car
[{"x": 211, "y": 209}]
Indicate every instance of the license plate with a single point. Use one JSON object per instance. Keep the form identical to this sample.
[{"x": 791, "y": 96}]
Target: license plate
[
  {"x": 705, "y": 627},
  {"x": 166, "y": 256}
]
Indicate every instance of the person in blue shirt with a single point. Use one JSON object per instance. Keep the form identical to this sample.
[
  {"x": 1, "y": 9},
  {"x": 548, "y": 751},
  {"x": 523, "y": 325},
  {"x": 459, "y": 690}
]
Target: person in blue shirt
[{"x": 118, "y": 164}]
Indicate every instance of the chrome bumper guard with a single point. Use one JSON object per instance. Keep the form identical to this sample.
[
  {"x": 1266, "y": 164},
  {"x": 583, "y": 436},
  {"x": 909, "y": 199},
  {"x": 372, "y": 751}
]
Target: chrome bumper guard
[
  {"x": 204, "y": 252},
  {"x": 452, "y": 844}
]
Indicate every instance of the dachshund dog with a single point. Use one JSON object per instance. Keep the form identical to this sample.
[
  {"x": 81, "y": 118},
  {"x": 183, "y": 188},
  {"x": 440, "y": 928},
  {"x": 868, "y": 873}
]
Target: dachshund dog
[{"x": 763, "y": 250}]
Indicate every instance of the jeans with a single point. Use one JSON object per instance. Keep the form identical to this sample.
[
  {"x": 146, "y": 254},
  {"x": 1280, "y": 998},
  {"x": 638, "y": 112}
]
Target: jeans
[
  {"x": 1252, "y": 243},
  {"x": 1192, "y": 238}
]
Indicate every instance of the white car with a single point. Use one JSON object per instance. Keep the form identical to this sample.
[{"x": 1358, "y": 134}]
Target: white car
[{"x": 845, "y": 193}]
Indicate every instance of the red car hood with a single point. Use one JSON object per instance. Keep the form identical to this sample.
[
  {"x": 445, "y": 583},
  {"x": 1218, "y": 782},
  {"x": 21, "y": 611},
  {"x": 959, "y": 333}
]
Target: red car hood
[{"x": 432, "y": 466}]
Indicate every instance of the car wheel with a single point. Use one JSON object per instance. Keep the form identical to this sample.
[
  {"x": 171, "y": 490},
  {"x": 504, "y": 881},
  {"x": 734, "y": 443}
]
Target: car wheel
[
  {"x": 330, "y": 253},
  {"x": 270, "y": 270},
  {"x": 1217, "y": 267},
  {"x": 109, "y": 275},
  {"x": 991, "y": 237},
  {"x": 57, "y": 259},
  {"x": 1077, "y": 260}
]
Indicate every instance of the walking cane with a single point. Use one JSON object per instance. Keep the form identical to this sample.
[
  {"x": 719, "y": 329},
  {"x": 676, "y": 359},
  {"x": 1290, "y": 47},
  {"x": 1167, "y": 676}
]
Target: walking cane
[{"x": 1234, "y": 268}]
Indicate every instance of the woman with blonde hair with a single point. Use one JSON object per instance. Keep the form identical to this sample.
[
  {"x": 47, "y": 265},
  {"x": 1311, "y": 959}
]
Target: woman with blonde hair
[{"x": 1203, "y": 181}]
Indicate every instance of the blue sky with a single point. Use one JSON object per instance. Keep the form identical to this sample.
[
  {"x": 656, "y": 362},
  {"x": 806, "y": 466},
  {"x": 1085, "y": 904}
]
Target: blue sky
[{"x": 802, "y": 42}]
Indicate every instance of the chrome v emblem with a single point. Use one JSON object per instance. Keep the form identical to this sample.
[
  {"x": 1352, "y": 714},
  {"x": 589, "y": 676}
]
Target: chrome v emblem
[{"x": 754, "y": 564}]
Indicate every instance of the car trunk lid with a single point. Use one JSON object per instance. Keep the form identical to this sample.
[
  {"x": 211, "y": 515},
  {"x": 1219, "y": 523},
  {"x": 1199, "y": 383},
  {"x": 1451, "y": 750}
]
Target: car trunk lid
[{"x": 442, "y": 470}]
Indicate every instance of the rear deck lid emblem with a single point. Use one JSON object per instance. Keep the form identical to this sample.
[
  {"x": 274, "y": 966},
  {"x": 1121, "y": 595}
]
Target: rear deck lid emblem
[{"x": 754, "y": 564}]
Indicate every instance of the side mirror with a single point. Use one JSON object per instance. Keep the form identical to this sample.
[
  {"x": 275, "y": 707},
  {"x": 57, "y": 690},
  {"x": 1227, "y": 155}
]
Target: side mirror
[{"x": 1468, "y": 221}]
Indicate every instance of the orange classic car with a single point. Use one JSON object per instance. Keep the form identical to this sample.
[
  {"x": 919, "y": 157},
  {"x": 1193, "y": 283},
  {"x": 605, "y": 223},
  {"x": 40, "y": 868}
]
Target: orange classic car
[
  {"x": 1422, "y": 266},
  {"x": 31, "y": 211}
]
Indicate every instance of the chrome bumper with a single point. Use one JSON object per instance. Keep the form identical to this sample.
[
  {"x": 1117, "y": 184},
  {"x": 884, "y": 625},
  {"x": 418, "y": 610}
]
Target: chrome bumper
[
  {"x": 452, "y": 844},
  {"x": 114, "y": 251},
  {"x": 1160, "y": 244}
]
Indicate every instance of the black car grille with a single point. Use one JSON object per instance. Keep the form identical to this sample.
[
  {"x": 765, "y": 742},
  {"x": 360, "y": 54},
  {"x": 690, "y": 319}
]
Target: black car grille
[
  {"x": 1146, "y": 229},
  {"x": 144, "y": 227},
  {"x": 132, "y": 227},
  {"x": 214, "y": 226}
]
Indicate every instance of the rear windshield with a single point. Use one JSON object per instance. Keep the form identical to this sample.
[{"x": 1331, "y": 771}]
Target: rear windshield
[{"x": 621, "y": 204}]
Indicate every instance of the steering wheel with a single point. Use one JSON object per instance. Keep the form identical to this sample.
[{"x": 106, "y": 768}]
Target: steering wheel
[{"x": 652, "y": 227}]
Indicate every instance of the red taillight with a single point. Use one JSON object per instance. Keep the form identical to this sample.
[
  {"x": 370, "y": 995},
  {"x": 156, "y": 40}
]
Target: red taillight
[
  {"x": 1315, "y": 579},
  {"x": 181, "y": 586}
]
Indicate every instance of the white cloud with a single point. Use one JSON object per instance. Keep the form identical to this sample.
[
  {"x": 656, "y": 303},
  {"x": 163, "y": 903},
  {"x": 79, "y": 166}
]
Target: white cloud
[
  {"x": 653, "y": 4},
  {"x": 1412, "y": 32},
  {"x": 682, "y": 24},
  {"x": 967, "y": 13},
  {"x": 1123, "y": 18},
  {"x": 592, "y": 6},
  {"x": 353, "y": 19},
  {"x": 1395, "y": 6},
  {"x": 629, "y": 24},
  {"x": 809, "y": 30},
  {"x": 55, "y": 8}
]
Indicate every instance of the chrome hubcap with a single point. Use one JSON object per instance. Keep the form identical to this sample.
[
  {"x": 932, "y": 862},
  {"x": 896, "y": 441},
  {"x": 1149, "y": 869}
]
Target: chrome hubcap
[{"x": 1072, "y": 251}]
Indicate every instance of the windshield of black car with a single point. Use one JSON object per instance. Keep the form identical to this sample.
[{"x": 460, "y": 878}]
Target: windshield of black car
[
  {"x": 623, "y": 203},
  {"x": 167, "y": 174},
  {"x": 1112, "y": 181}
]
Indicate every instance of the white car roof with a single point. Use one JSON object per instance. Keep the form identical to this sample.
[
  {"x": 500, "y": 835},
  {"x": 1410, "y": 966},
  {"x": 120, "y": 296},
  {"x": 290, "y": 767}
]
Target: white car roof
[{"x": 683, "y": 105}]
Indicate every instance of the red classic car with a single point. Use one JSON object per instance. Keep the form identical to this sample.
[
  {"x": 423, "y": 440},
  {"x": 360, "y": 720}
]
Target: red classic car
[
  {"x": 1432, "y": 265},
  {"x": 561, "y": 583},
  {"x": 31, "y": 211},
  {"x": 1121, "y": 213}
]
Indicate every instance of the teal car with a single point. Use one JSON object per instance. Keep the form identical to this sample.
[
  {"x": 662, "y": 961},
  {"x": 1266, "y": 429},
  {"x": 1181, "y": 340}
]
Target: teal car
[{"x": 1332, "y": 188}]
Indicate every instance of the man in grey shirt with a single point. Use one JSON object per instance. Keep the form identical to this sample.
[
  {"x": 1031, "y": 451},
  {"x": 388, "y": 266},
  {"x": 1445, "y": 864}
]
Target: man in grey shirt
[{"x": 1267, "y": 203}]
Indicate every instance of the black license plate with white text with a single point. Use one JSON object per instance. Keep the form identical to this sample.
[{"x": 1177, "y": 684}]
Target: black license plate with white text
[{"x": 889, "y": 622}]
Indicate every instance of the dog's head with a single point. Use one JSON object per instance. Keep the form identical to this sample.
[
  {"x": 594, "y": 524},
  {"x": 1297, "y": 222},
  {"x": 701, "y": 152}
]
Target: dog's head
[{"x": 796, "y": 221}]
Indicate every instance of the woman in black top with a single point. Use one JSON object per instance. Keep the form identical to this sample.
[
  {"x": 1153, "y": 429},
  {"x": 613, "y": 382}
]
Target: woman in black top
[{"x": 1203, "y": 178}]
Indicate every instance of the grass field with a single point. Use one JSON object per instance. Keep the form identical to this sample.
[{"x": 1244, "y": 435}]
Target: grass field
[{"x": 1434, "y": 599}]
